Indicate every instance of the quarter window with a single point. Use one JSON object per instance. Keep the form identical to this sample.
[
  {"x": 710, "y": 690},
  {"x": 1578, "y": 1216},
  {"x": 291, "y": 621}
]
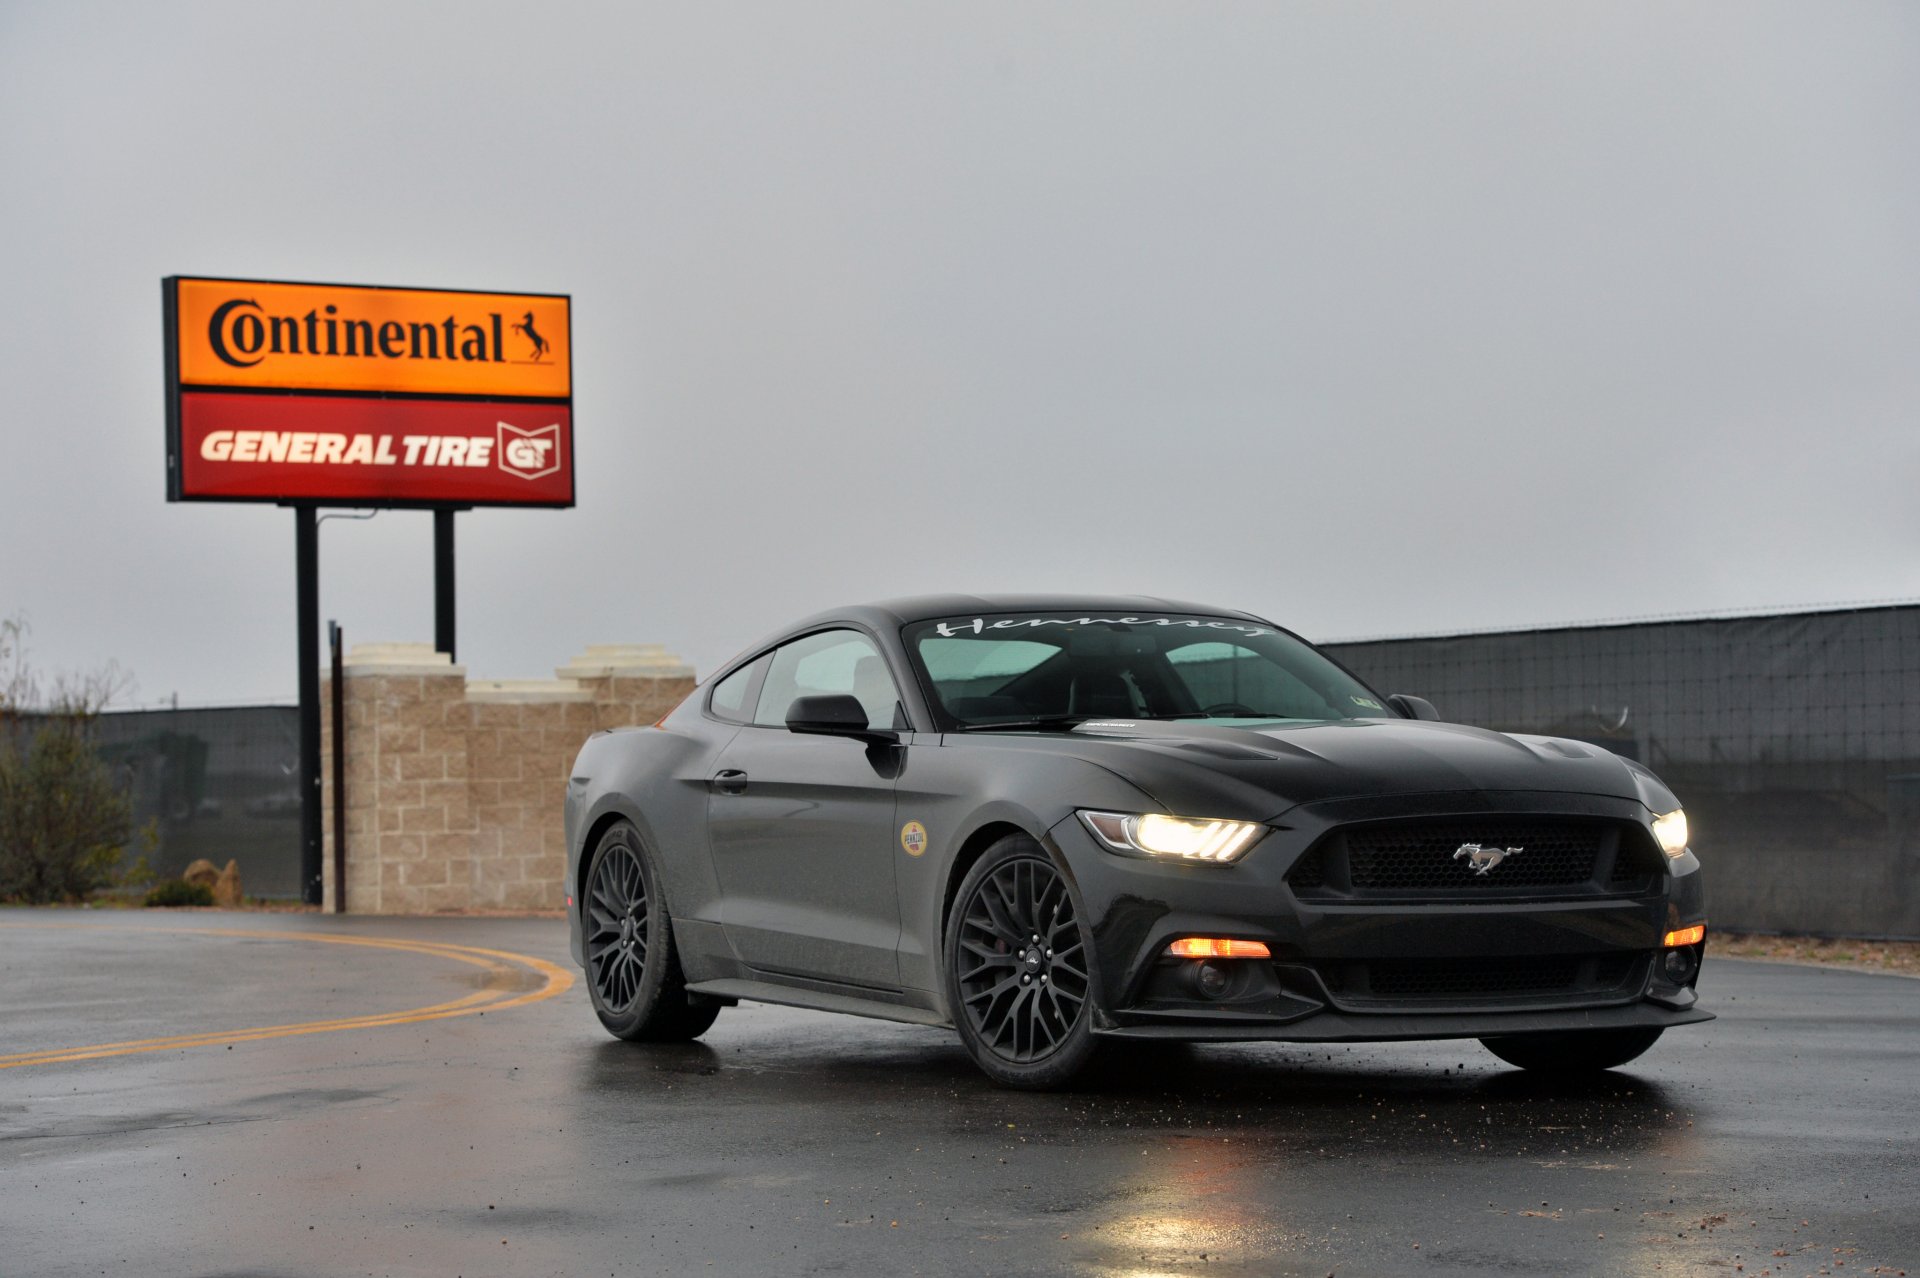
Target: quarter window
[{"x": 729, "y": 697}]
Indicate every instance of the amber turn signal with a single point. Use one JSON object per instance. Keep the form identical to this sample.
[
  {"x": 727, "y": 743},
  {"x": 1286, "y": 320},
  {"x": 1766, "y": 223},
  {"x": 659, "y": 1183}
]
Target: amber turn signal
[
  {"x": 1204, "y": 947},
  {"x": 1686, "y": 936}
]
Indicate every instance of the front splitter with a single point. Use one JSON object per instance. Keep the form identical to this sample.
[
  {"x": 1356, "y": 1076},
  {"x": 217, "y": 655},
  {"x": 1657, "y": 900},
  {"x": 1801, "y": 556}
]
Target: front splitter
[{"x": 1348, "y": 1027}]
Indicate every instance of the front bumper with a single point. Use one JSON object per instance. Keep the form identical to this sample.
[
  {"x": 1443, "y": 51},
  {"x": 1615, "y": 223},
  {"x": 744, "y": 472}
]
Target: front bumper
[{"x": 1372, "y": 970}]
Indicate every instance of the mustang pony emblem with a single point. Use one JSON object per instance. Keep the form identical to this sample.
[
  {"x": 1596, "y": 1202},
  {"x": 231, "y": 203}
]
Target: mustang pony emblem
[{"x": 1483, "y": 859}]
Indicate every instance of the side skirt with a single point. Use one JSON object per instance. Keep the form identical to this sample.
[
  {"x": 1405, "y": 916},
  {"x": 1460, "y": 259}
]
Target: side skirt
[{"x": 819, "y": 1000}]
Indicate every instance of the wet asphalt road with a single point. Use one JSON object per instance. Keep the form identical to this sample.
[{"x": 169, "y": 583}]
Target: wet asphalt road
[{"x": 525, "y": 1141}]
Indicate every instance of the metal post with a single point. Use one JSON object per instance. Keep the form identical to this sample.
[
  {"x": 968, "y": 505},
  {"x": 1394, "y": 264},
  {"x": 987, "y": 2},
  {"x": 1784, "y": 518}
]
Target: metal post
[
  {"x": 443, "y": 582},
  {"x": 306, "y": 549},
  {"x": 336, "y": 638}
]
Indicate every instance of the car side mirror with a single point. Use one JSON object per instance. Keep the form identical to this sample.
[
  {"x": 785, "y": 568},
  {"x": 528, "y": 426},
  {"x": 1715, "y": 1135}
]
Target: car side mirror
[
  {"x": 1413, "y": 707},
  {"x": 838, "y": 714}
]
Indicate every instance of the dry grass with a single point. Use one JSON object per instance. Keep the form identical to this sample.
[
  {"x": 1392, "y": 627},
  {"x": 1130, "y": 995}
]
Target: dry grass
[{"x": 1873, "y": 956}]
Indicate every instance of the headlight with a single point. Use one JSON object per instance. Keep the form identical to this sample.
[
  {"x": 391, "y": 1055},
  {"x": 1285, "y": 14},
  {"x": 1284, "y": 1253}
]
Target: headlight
[
  {"x": 1671, "y": 831},
  {"x": 1171, "y": 837}
]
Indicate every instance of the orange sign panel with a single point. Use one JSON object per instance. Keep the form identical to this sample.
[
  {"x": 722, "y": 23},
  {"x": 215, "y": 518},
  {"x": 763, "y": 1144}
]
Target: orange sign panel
[{"x": 338, "y": 337}]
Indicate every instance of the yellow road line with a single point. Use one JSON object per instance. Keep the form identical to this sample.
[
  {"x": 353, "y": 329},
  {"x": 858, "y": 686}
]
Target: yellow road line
[{"x": 500, "y": 964}]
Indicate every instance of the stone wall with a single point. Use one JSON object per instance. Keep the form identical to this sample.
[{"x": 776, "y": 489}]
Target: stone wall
[{"x": 454, "y": 786}]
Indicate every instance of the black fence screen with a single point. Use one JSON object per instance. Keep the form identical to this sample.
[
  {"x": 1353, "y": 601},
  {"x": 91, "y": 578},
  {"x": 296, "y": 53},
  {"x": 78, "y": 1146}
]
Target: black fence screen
[
  {"x": 1793, "y": 740},
  {"x": 219, "y": 784}
]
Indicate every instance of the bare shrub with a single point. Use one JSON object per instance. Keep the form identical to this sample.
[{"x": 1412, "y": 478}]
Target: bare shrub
[{"x": 63, "y": 821}]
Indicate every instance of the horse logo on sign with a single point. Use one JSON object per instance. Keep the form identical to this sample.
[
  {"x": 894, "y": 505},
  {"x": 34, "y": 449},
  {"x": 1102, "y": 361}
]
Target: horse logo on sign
[{"x": 533, "y": 335}]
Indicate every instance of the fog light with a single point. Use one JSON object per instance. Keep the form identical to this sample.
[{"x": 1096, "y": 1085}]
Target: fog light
[
  {"x": 1680, "y": 965},
  {"x": 1213, "y": 979}
]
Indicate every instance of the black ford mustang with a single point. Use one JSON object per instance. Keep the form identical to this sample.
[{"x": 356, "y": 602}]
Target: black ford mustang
[{"x": 1060, "y": 823}]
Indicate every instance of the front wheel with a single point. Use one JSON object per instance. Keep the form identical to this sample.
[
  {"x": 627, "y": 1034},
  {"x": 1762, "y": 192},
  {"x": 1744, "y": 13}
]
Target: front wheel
[
  {"x": 1019, "y": 969},
  {"x": 1572, "y": 1051},
  {"x": 633, "y": 974}
]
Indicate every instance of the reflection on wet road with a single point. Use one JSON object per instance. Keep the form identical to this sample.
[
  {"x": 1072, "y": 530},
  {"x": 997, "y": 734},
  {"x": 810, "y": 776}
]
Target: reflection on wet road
[{"x": 1780, "y": 1138}]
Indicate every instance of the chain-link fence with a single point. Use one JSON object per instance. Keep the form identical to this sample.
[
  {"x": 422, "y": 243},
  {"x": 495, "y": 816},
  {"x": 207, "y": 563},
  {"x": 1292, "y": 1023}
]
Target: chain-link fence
[
  {"x": 219, "y": 784},
  {"x": 1793, "y": 740}
]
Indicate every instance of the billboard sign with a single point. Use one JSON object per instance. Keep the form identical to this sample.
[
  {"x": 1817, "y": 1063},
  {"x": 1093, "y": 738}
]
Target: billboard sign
[{"x": 350, "y": 395}]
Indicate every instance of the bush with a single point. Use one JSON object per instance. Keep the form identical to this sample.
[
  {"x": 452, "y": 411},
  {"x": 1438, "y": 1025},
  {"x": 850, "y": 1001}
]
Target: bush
[
  {"x": 180, "y": 892},
  {"x": 63, "y": 821}
]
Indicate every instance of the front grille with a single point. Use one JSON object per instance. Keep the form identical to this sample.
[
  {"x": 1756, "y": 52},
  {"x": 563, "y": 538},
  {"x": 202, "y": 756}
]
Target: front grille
[
  {"x": 1491, "y": 977},
  {"x": 1310, "y": 874},
  {"x": 1637, "y": 863},
  {"x": 1433, "y": 860},
  {"x": 1424, "y": 857},
  {"x": 1465, "y": 982}
]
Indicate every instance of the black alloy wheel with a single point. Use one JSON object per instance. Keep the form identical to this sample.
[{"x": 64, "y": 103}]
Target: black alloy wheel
[
  {"x": 617, "y": 927},
  {"x": 633, "y": 974},
  {"x": 1019, "y": 968}
]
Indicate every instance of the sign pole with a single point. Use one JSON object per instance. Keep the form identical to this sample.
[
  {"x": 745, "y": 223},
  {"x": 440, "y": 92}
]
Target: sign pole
[
  {"x": 443, "y": 581},
  {"x": 306, "y": 553},
  {"x": 336, "y": 640}
]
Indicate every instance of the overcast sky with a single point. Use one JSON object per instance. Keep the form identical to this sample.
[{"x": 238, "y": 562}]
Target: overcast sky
[{"x": 1371, "y": 318}]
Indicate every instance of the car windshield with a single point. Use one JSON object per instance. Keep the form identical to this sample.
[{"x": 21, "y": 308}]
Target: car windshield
[{"x": 1047, "y": 670}]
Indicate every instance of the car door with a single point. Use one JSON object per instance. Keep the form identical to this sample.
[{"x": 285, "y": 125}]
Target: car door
[{"x": 802, "y": 827}]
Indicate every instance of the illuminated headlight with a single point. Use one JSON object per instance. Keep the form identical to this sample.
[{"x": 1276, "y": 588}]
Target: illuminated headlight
[
  {"x": 1171, "y": 837},
  {"x": 1671, "y": 831}
]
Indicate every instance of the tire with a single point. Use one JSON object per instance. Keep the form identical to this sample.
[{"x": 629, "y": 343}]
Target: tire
[
  {"x": 1024, "y": 1010},
  {"x": 633, "y": 973},
  {"x": 1573, "y": 1051}
]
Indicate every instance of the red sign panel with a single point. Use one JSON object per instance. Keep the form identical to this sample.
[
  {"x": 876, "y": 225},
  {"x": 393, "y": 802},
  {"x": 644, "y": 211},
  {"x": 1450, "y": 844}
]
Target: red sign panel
[
  {"x": 326, "y": 449},
  {"x": 336, "y": 394}
]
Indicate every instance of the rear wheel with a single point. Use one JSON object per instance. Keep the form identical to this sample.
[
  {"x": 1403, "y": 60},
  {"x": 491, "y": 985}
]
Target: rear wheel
[
  {"x": 1019, "y": 969},
  {"x": 633, "y": 974},
  {"x": 1573, "y": 1051}
]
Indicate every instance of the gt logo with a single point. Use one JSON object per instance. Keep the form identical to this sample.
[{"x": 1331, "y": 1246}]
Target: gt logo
[
  {"x": 1480, "y": 859},
  {"x": 529, "y": 453}
]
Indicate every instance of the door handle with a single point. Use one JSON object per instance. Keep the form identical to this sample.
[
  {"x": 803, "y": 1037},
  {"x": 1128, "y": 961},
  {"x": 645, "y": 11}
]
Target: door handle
[{"x": 729, "y": 781}]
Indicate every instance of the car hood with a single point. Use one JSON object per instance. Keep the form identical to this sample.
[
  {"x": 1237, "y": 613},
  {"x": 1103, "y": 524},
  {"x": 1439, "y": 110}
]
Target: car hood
[{"x": 1178, "y": 762}]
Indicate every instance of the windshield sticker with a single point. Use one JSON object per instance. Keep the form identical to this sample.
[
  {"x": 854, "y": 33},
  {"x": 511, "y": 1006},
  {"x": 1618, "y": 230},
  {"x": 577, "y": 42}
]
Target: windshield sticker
[
  {"x": 980, "y": 625},
  {"x": 913, "y": 837},
  {"x": 1366, "y": 701}
]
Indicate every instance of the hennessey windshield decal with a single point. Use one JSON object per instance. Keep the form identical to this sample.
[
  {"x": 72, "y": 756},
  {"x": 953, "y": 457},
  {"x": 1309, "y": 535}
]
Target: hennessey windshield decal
[{"x": 979, "y": 625}]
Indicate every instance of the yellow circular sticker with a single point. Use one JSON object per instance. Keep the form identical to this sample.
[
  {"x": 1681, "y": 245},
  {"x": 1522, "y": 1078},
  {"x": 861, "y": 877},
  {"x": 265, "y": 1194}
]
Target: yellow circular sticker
[{"x": 913, "y": 837}]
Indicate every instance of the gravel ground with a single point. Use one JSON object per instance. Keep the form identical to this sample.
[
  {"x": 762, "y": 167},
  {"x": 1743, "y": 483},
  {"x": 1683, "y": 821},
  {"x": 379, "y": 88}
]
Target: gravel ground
[{"x": 1902, "y": 957}]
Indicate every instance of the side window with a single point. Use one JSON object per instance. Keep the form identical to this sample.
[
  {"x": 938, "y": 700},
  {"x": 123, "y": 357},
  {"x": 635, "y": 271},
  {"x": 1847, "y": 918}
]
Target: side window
[
  {"x": 728, "y": 700},
  {"x": 829, "y": 662}
]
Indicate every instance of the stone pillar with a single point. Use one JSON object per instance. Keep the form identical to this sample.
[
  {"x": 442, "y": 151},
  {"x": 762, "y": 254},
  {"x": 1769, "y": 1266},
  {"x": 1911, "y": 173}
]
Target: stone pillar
[
  {"x": 630, "y": 683},
  {"x": 455, "y": 787},
  {"x": 525, "y": 735},
  {"x": 409, "y": 822}
]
